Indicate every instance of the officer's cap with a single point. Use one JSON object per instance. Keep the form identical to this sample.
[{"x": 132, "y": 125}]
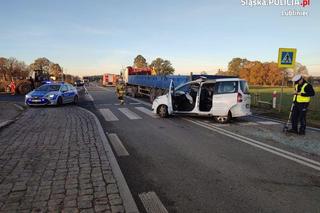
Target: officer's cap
[{"x": 296, "y": 78}]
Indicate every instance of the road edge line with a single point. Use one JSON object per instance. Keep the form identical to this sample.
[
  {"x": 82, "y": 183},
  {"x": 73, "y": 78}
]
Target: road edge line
[
  {"x": 283, "y": 151},
  {"x": 297, "y": 160},
  {"x": 125, "y": 193}
]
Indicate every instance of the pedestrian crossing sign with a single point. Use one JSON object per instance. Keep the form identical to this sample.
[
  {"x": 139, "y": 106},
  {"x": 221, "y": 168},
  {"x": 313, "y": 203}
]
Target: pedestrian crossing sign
[{"x": 287, "y": 57}]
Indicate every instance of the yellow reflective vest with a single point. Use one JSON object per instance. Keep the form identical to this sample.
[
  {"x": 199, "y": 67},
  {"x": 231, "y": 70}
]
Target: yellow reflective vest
[
  {"x": 120, "y": 89},
  {"x": 300, "y": 98}
]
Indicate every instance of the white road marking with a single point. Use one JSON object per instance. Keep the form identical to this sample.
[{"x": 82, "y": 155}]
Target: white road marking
[
  {"x": 88, "y": 97},
  {"x": 152, "y": 203},
  {"x": 131, "y": 115},
  {"x": 268, "y": 122},
  {"x": 280, "y": 152},
  {"x": 108, "y": 115},
  {"x": 85, "y": 90},
  {"x": 147, "y": 111},
  {"x": 117, "y": 145},
  {"x": 102, "y": 105},
  {"x": 247, "y": 123},
  {"x": 281, "y": 122},
  {"x": 134, "y": 103},
  {"x": 137, "y": 100}
]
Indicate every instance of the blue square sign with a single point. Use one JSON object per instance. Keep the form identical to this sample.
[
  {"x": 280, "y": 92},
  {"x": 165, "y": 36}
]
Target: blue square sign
[{"x": 286, "y": 57}]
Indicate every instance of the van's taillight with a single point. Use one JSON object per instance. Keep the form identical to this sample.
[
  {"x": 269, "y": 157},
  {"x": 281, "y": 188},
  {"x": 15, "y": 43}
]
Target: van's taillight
[{"x": 239, "y": 98}]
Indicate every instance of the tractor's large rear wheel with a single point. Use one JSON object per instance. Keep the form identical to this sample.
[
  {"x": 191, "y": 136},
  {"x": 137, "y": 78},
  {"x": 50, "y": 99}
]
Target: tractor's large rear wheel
[{"x": 24, "y": 88}]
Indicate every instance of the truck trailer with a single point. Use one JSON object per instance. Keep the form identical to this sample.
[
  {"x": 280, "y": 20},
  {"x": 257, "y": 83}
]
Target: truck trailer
[{"x": 140, "y": 82}]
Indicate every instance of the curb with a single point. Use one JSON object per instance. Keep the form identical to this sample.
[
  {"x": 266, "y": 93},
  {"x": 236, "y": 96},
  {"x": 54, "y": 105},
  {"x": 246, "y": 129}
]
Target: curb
[
  {"x": 19, "y": 106},
  {"x": 6, "y": 123},
  {"x": 128, "y": 201},
  {"x": 10, "y": 121}
]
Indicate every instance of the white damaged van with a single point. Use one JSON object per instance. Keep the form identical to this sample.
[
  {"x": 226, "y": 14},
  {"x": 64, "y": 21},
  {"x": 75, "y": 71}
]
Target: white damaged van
[{"x": 222, "y": 98}]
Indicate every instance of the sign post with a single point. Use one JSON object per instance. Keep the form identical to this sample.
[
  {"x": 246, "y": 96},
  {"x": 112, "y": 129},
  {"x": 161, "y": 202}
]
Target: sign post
[{"x": 286, "y": 59}]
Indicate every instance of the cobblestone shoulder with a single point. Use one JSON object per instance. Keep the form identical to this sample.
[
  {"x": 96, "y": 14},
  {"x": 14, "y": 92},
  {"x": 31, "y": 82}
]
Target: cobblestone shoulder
[{"x": 54, "y": 160}]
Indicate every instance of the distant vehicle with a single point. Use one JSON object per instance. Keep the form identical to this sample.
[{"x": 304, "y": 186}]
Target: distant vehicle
[
  {"x": 222, "y": 98},
  {"x": 78, "y": 83},
  {"x": 52, "y": 94},
  {"x": 109, "y": 79}
]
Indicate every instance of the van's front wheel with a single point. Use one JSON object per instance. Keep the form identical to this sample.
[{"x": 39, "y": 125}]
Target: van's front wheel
[
  {"x": 223, "y": 119},
  {"x": 163, "y": 111}
]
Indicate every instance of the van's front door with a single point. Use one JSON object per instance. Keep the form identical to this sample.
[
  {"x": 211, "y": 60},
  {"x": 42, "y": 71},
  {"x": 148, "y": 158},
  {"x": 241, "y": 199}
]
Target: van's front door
[
  {"x": 169, "y": 96},
  {"x": 185, "y": 97}
]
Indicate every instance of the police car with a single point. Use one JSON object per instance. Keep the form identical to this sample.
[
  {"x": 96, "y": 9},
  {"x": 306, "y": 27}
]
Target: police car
[{"x": 52, "y": 93}]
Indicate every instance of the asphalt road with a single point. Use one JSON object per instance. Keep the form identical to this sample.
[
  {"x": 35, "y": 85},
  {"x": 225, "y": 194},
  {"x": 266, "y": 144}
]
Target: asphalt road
[
  {"x": 195, "y": 165},
  {"x": 11, "y": 98}
]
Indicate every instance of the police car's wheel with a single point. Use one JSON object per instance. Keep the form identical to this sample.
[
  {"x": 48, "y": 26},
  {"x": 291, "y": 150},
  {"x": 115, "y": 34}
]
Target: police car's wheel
[
  {"x": 59, "y": 102},
  {"x": 163, "y": 111},
  {"x": 223, "y": 119},
  {"x": 75, "y": 100}
]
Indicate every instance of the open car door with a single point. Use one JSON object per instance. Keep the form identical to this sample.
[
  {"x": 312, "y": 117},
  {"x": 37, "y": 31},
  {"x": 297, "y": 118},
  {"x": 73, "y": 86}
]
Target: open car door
[{"x": 170, "y": 94}]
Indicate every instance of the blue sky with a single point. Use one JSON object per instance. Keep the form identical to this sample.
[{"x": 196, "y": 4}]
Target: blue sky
[{"x": 98, "y": 36}]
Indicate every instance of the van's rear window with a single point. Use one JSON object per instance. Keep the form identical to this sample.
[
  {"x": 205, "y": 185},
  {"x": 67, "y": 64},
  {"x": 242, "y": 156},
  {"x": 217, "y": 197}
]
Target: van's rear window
[
  {"x": 244, "y": 87},
  {"x": 226, "y": 87}
]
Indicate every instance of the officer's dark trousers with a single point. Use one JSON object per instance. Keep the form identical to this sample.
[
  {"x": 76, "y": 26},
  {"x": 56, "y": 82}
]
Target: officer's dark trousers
[{"x": 299, "y": 113}]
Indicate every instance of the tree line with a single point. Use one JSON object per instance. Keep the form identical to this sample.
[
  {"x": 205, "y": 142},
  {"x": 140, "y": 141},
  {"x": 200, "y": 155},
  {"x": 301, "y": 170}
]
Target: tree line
[
  {"x": 12, "y": 68},
  {"x": 159, "y": 65},
  {"x": 261, "y": 73}
]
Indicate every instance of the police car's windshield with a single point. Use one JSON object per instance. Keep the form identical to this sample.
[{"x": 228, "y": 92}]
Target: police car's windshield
[{"x": 48, "y": 88}]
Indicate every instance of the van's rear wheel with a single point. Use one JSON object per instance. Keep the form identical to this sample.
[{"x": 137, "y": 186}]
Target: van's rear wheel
[
  {"x": 163, "y": 111},
  {"x": 223, "y": 119}
]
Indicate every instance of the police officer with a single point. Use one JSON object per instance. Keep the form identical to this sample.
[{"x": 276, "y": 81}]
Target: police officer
[
  {"x": 301, "y": 100},
  {"x": 120, "y": 90}
]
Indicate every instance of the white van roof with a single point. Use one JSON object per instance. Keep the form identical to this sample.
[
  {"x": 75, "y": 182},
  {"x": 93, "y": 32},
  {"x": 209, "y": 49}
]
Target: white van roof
[{"x": 218, "y": 80}]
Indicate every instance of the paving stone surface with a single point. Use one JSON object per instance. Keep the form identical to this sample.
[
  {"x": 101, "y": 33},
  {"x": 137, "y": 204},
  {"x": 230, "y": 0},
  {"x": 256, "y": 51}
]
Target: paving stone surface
[{"x": 52, "y": 160}]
